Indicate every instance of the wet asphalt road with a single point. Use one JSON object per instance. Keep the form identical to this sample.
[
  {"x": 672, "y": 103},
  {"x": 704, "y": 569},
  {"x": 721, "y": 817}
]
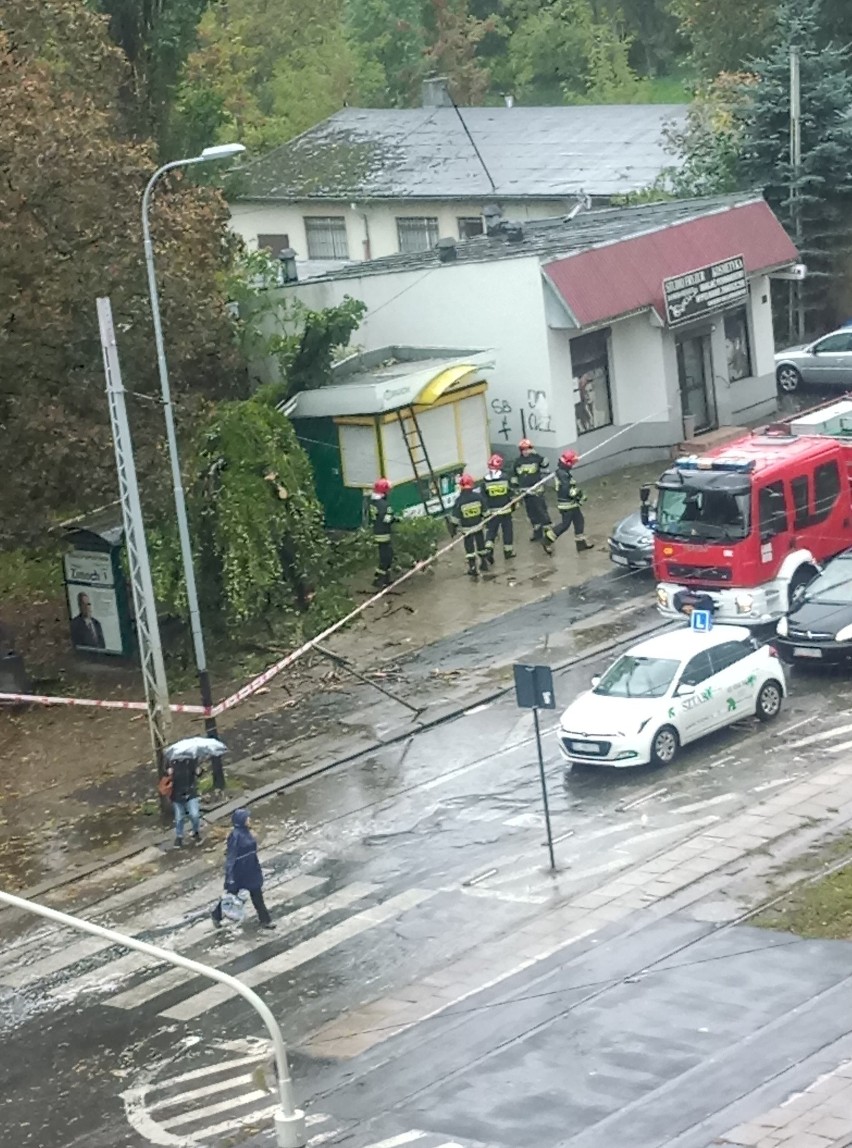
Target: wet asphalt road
[{"x": 454, "y": 817}]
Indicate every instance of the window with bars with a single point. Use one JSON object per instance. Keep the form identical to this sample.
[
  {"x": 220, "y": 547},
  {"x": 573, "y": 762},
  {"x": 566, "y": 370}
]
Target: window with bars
[
  {"x": 326, "y": 235},
  {"x": 470, "y": 226},
  {"x": 417, "y": 232}
]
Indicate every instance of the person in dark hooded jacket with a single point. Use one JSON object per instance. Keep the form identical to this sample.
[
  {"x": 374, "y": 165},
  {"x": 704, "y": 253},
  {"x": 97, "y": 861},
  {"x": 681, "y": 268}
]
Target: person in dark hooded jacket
[{"x": 242, "y": 869}]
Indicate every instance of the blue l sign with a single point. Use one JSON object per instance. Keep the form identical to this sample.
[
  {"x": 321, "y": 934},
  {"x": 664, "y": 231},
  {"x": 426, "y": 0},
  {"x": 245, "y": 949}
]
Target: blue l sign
[{"x": 701, "y": 621}]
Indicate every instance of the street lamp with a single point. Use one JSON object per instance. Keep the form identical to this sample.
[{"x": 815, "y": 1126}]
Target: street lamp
[{"x": 219, "y": 151}]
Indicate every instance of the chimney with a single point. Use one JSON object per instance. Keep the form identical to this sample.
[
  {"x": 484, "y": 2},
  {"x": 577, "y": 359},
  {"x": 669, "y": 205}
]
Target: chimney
[
  {"x": 447, "y": 252},
  {"x": 510, "y": 101},
  {"x": 492, "y": 217},
  {"x": 435, "y": 93}
]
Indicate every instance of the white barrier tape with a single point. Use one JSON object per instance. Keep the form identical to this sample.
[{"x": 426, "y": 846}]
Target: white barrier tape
[
  {"x": 97, "y": 703},
  {"x": 257, "y": 683}
]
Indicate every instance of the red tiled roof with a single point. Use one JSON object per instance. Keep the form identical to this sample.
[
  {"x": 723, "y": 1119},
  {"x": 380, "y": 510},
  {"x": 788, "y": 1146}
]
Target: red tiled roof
[{"x": 627, "y": 276}]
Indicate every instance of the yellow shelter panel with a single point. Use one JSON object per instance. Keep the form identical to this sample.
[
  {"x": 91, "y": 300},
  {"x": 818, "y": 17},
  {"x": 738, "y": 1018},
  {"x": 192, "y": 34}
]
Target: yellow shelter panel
[{"x": 435, "y": 388}]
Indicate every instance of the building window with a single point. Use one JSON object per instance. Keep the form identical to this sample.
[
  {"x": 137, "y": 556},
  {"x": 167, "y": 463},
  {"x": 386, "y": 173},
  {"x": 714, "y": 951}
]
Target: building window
[
  {"x": 417, "y": 232},
  {"x": 274, "y": 244},
  {"x": 737, "y": 345},
  {"x": 590, "y": 366},
  {"x": 326, "y": 235},
  {"x": 470, "y": 226}
]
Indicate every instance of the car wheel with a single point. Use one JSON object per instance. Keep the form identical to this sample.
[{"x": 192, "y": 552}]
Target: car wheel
[
  {"x": 665, "y": 745},
  {"x": 800, "y": 580},
  {"x": 788, "y": 378},
  {"x": 769, "y": 700}
]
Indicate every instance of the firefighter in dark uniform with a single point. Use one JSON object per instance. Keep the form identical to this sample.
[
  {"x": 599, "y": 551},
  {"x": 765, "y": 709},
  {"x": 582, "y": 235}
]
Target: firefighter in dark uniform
[
  {"x": 528, "y": 469},
  {"x": 468, "y": 515},
  {"x": 381, "y": 520},
  {"x": 569, "y": 499},
  {"x": 497, "y": 488}
]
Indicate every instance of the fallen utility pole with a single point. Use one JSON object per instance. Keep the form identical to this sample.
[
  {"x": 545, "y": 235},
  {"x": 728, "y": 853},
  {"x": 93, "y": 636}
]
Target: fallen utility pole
[{"x": 289, "y": 1120}]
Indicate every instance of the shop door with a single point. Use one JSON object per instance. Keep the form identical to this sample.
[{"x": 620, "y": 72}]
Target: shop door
[{"x": 693, "y": 376}]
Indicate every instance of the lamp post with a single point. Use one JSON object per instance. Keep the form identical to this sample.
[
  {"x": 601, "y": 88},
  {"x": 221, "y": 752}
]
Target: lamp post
[{"x": 221, "y": 151}]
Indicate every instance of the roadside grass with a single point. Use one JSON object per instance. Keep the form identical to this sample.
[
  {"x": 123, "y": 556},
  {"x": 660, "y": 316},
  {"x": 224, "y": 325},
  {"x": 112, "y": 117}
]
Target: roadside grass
[
  {"x": 29, "y": 574},
  {"x": 674, "y": 89},
  {"x": 820, "y": 908}
]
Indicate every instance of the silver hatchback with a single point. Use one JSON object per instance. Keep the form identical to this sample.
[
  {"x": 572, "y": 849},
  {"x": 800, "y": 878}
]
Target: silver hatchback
[{"x": 827, "y": 362}]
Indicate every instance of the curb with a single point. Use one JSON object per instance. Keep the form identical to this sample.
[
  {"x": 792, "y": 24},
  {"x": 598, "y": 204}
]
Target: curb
[{"x": 219, "y": 812}]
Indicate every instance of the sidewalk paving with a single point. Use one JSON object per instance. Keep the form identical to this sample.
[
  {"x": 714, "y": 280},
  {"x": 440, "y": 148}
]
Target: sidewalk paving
[{"x": 819, "y": 1117}]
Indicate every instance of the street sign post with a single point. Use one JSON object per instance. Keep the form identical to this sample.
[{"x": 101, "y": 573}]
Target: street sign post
[{"x": 534, "y": 691}]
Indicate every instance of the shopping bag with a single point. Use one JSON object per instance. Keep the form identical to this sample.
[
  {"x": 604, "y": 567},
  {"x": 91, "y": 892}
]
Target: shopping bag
[{"x": 233, "y": 907}]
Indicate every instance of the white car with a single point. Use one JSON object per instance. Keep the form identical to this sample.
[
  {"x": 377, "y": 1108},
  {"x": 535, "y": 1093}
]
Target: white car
[{"x": 670, "y": 690}]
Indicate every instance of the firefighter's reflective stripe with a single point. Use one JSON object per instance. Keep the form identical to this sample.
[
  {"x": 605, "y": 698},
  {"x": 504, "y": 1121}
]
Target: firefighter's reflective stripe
[{"x": 471, "y": 510}]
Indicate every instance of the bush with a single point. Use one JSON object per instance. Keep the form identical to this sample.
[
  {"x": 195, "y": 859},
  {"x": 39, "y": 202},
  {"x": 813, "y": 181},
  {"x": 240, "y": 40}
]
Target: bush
[{"x": 417, "y": 538}]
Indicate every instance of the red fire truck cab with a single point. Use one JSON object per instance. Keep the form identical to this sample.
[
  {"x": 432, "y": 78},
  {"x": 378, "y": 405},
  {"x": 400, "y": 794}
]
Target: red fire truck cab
[{"x": 743, "y": 528}]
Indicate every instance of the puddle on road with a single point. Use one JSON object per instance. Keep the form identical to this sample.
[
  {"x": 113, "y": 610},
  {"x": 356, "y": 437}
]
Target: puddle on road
[{"x": 587, "y": 636}]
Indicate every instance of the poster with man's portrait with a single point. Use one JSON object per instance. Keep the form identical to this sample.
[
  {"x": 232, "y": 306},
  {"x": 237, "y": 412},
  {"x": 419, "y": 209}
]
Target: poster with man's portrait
[{"x": 95, "y": 623}]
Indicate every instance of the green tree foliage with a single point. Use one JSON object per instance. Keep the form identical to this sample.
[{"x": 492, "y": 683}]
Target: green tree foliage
[
  {"x": 389, "y": 40},
  {"x": 69, "y": 232},
  {"x": 156, "y": 37},
  {"x": 820, "y": 196},
  {"x": 263, "y": 71},
  {"x": 725, "y": 34},
  {"x": 562, "y": 51},
  {"x": 274, "y": 326},
  {"x": 708, "y": 146},
  {"x": 455, "y": 36},
  {"x": 261, "y": 551}
]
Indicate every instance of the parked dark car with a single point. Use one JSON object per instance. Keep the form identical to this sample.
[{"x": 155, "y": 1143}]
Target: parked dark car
[
  {"x": 819, "y": 626},
  {"x": 632, "y": 542}
]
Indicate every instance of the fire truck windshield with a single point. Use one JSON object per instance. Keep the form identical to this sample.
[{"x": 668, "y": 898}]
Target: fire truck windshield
[{"x": 702, "y": 511}]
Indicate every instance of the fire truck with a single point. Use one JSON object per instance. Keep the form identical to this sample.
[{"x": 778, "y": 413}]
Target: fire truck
[{"x": 742, "y": 529}]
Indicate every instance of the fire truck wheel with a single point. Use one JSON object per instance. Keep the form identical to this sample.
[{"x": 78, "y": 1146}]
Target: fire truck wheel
[
  {"x": 788, "y": 378},
  {"x": 665, "y": 745},
  {"x": 769, "y": 700}
]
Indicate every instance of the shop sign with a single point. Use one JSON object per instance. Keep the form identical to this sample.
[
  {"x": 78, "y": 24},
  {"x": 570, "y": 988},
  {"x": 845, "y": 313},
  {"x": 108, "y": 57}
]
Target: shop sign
[{"x": 705, "y": 290}]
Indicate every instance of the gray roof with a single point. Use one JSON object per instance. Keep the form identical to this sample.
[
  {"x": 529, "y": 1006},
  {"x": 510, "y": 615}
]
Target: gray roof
[
  {"x": 425, "y": 153},
  {"x": 552, "y": 238}
]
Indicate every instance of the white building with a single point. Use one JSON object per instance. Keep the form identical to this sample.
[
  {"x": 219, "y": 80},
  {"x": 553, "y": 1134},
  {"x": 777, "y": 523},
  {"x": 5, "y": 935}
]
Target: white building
[
  {"x": 371, "y": 182},
  {"x": 621, "y": 331}
]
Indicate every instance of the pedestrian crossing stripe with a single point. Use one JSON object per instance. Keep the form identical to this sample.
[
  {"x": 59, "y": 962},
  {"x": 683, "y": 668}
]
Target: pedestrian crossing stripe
[{"x": 165, "y": 982}]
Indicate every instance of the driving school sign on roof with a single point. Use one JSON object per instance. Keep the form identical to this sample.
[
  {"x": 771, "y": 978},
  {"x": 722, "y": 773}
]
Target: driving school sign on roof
[{"x": 707, "y": 289}]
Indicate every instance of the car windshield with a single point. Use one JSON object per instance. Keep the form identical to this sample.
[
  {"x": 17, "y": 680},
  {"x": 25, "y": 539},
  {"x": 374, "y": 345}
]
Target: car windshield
[
  {"x": 690, "y": 512},
  {"x": 633, "y": 677},
  {"x": 833, "y": 585}
]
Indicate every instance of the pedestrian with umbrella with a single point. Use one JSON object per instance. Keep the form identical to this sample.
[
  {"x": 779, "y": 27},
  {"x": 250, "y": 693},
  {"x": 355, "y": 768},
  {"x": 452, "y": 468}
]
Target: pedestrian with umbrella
[
  {"x": 242, "y": 869},
  {"x": 183, "y": 769}
]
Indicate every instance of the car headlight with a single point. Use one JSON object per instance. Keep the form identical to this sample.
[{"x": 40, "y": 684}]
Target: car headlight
[
  {"x": 843, "y": 635},
  {"x": 781, "y": 628},
  {"x": 744, "y": 603},
  {"x": 662, "y": 596}
]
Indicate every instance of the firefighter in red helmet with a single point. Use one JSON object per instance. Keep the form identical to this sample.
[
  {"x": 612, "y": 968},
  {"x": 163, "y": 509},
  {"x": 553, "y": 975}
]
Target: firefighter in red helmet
[
  {"x": 381, "y": 519},
  {"x": 468, "y": 515},
  {"x": 497, "y": 488},
  {"x": 569, "y": 499},
  {"x": 528, "y": 469}
]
